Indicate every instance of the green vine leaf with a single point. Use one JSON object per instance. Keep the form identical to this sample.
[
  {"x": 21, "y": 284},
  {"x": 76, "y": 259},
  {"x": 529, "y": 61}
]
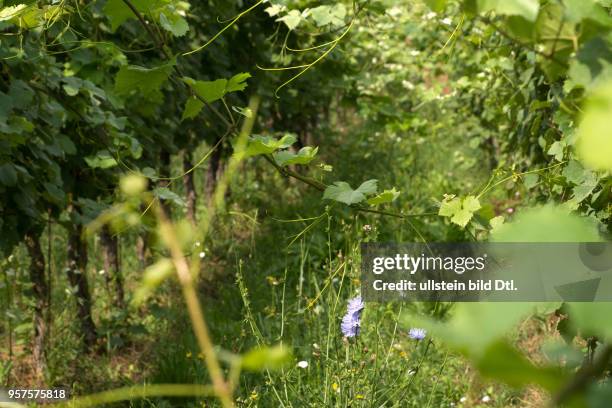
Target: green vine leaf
[
  {"x": 387, "y": 196},
  {"x": 8, "y": 175},
  {"x": 341, "y": 191},
  {"x": 132, "y": 79},
  {"x": 450, "y": 206},
  {"x": 212, "y": 91},
  {"x": 163, "y": 193},
  {"x": 460, "y": 211},
  {"x": 101, "y": 160},
  {"x": 275, "y": 9},
  {"x": 174, "y": 23},
  {"x": 528, "y": 9},
  {"x": 326, "y": 15},
  {"x": 193, "y": 106},
  {"x": 292, "y": 19},
  {"x": 267, "y": 145},
  {"x": 168, "y": 13},
  {"x": 304, "y": 156},
  {"x": 237, "y": 82}
]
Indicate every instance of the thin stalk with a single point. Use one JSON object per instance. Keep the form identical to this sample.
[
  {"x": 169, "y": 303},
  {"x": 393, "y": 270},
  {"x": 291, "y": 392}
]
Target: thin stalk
[{"x": 195, "y": 309}]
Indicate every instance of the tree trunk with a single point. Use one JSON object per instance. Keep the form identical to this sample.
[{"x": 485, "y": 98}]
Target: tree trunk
[
  {"x": 77, "y": 264},
  {"x": 141, "y": 249},
  {"x": 189, "y": 185},
  {"x": 212, "y": 173},
  {"x": 114, "y": 278},
  {"x": 164, "y": 167},
  {"x": 39, "y": 286},
  {"x": 8, "y": 284},
  {"x": 49, "y": 315}
]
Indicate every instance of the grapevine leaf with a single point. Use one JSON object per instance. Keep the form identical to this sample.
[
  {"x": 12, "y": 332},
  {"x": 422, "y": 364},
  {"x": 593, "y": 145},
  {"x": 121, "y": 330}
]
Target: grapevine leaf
[
  {"x": 436, "y": 5},
  {"x": 210, "y": 91},
  {"x": 66, "y": 144},
  {"x": 530, "y": 180},
  {"x": 578, "y": 10},
  {"x": 556, "y": 149},
  {"x": 55, "y": 192},
  {"x": 147, "y": 81},
  {"x": 450, "y": 207},
  {"x": 292, "y": 19},
  {"x": 274, "y": 9},
  {"x": 368, "y": 187},
  {"x": 102, "y": 160},
  {"x": 462, "y": 217},
  {"x": 325, "y": 15},
  {"x": 592, "y": 65},
  {"x": 460, "y": 211},
  {"x": 304, "y": 156},
  {"x": 574, "y": 172},
  {"x": 342, "y": 192},
  {"x": 164, "y": 12},
  {"x": 386, "y": 196},
  {"x": 117, "y": 12},
  {"x": 583, "y": 189},
  {"x": 11, "y": 12},
  {"x": 8, "y": 175},
  {"x": 192, "y": 108},
  {"x": 72, "y": 85},
  {"x": 237, "y": 82},
  {"x": 163, "y": 193},
  {"x": 527, "y": 9},
  {"x": 267, "y": 145},
  {"x": 471, "y": 204},
  {"x": 174, "y": 23},
  {"x": 550, "y": 28},
  {"x": 321, "y": 15}
]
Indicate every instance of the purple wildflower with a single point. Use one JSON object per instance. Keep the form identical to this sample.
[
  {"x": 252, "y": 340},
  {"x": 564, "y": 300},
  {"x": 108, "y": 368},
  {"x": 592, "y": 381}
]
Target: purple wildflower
[
  {"x": 355, "y": 306},
  {"x": 351, "y": 322},
  {"x": 417, "y": 334}
]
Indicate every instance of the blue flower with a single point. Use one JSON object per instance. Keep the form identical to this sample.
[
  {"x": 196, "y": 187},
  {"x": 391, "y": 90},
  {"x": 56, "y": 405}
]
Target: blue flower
[
  {"x": 355, "y": 306},
  {"x": 351, "y": 322},
  {"x": 417, "y": 334}
]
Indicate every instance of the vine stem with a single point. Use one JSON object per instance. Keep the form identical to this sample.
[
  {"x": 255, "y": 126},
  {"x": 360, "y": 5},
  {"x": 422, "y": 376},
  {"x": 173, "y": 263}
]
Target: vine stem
[
  {"x": 238, "y": 17},
  {"x": 321, "y": 187},
  {"x": 290, "y": 173},
  {"x": 523, "y": 44},
  {"x": 489, "y": 187}
]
